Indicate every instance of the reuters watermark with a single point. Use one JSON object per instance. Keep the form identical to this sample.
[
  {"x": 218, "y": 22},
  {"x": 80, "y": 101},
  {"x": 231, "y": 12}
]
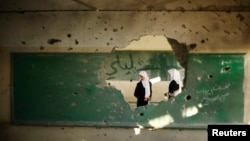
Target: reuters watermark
[{"x": 232, "y": 131}]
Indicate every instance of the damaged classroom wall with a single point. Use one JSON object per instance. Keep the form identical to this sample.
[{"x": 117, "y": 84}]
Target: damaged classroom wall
[
  {"x": 77, "y": 89},
  {"x": 77, "y": 84}
]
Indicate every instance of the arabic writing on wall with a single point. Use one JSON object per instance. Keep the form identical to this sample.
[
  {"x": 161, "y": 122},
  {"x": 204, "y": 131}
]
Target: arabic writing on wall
[{"x": 216, "y": 93}]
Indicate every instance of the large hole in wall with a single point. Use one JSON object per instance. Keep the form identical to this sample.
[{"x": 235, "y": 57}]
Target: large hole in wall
[{"x": 160, "y": 84}]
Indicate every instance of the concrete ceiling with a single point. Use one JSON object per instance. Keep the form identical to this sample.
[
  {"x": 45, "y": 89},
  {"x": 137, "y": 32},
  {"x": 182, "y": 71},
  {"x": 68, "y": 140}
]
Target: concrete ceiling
[{"x": 124, "y": 5}]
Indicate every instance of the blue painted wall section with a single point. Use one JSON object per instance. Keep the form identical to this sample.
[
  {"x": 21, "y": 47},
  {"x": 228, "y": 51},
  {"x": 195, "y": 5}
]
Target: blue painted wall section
[{"x": 70, "y": 89}]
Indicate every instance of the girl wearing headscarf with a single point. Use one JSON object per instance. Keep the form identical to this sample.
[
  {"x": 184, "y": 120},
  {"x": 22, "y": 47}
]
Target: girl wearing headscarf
[
  {"x": 175, "y": 83},
  {"x": 143, "y": 89}
]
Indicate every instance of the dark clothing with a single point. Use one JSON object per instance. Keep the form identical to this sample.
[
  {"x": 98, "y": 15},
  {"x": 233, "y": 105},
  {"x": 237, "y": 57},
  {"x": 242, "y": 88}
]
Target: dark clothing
[
  {"x": 139, "y": 93},
  {"x": 173, "y": 86}
]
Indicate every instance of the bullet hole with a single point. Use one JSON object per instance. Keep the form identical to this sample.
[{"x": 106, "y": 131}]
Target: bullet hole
[
  {"x": 43, "y": 27},
  {"x": 76, "y": 42},
  {"x": 96, "y": 50},
  {"x": 68, "y": 35},
  {"x": 53, "y": 41},
  {"x": 41, "y": 48},
  {"x": 239, "y": 16},
  {"x": 227, "y": 32},
  {"x": 70, "y": 48},
  {"x": 108, "y": 44},
  {"x": 62, "y": 128},
  {"x": 188, "y": 97},
  {"x": 225, "y": 69},
  {"x": 23, "y": 42},
  {"x": 105, "y": 29},
  {"x": 111, "y": 39},
  {"x": 184, "y": 26},
  {"x": 141, "y": 114},
  {"x": 96, "y": 38},
  {"x": 192, "y": 46},
  {"x": 115, "y": 30},
  {"x": 109, "y": 84},
  {"x": 75, "y": 94},
  {"x": 121, "y": 27},
  {"x": 105, "y": 134},
  {"x": 154, "y": 19},
  {"x": 131, "y": 80},
  {"x": 202, "y": 41},
  {"x": 210, "y": 76}
]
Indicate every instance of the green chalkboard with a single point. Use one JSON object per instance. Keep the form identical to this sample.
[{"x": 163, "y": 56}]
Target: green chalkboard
[{"x": 70, "y": 89}]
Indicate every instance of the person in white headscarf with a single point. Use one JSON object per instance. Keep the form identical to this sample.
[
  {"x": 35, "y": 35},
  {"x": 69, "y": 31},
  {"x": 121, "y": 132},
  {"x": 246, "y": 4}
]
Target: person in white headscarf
[
  {"x": 143, "y": 89},
  {"x": 175, "y": 83}
]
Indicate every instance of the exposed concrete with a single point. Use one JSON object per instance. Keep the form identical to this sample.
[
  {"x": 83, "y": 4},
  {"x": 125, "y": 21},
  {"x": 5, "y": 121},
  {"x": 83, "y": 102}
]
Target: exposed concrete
[
  {"x": 181, "y": 53},
  {"x": 149, "y": 43}
]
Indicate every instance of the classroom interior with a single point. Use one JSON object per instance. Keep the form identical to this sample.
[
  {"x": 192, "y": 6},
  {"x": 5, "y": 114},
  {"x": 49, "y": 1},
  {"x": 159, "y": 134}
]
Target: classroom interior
[{"x": 69, "y": 68}]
